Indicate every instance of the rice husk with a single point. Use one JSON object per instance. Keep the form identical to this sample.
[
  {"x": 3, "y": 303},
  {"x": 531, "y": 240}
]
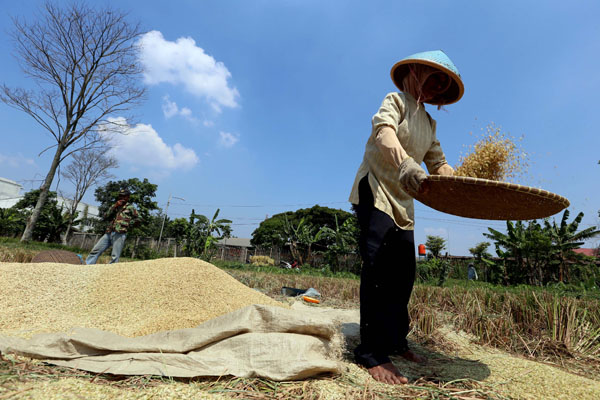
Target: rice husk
[
  {"x": 77, "y": 389},
  {"x": 130, "y": 299},
  {"x": 523, "y": 378},
  {"x": 495, "y": 156}
]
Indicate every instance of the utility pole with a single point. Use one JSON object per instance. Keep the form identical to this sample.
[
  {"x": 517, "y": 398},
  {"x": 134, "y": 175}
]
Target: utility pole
[{"x": 165, "y": 216}]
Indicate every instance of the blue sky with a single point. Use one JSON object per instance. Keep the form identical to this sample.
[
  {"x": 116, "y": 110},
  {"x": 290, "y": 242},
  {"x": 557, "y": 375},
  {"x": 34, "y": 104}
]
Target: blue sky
[{"x": 260, "y": 107}]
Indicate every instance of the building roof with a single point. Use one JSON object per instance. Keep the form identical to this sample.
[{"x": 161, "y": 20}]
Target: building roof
[
  {"x": 6, "y": 180},
  {"x": 587, "y": 252},
  {"x": 235, "y": 242},
  {"x": 9, "y": 189}
]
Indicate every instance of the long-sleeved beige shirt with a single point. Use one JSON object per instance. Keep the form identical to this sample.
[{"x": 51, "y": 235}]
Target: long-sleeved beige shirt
[{"x": 415, "y": 130}]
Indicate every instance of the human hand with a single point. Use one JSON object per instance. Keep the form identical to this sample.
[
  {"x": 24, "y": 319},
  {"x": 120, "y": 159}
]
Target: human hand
[
  {"x": 445, "y": 170},
  {"x": 411, "y": 176}
]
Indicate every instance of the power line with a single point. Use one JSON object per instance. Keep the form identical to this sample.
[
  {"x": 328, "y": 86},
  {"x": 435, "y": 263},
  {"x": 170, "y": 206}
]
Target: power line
[
  {"x": 471, "y": 223},
  {"x": 252, "y": 224},
  {"x": 461, "y": 223},
  {"x": 481, "y": 225},
  {"x": 259, "y": 205}
]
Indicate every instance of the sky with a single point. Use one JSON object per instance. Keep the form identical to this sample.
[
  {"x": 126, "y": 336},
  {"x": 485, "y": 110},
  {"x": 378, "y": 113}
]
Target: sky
[{"x": 261, "y": 107}]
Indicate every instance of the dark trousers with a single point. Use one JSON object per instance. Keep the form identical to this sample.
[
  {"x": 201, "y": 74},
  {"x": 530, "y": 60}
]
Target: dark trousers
[{"x": 387, "y": 279}]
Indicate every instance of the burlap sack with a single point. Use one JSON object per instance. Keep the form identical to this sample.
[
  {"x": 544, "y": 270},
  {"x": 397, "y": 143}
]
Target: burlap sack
[{"x": 255, "y": 341}]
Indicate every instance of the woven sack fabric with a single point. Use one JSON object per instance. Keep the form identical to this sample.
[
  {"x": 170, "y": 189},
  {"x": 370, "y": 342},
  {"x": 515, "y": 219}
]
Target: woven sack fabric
[{"x": 56, "y": 256}]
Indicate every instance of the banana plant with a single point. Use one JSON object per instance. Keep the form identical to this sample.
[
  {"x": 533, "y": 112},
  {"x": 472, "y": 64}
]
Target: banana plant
[
  {"x": 342, "y": 241},
  {"x": 203, "y": 233},
  {"x": 565, "y": 239},
  {"x": 301, "y": 238}
]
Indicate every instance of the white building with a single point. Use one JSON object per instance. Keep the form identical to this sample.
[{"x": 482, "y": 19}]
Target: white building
[{"x": 10, "y": 194}]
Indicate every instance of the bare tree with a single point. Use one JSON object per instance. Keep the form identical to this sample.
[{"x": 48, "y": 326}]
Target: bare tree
[
  {"x": 88, "y": 168},
  {"x": 83, "y": 61}
]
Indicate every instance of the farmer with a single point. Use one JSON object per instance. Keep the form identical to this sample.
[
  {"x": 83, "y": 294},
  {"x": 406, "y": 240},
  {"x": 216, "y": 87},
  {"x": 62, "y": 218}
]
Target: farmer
[
  {"x": 124, "y": 216},
  {"x": 472, "y": 272},
  {"x": 403, "y": 135}
]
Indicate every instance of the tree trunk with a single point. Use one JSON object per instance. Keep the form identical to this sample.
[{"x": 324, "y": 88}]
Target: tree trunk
[
  {"x": 69, "y": 226},
  {"x": 561, "y": 268},
  {"x": 505, "y": 273},
  {"x": 44, "y": 189},
  {"x": 137, "y": 241},
  {"x": 65, "y": 240}
]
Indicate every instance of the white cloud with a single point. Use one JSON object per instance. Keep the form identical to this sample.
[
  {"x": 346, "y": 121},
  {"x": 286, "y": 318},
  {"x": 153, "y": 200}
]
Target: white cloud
[
  {"x": 170, "y": 109},
  {"x": 16, "y": 161},
  {"x": 183, "y": 63},
  {"x": 228, "y": 139},
  {"x": 142, "y": 146},
  {"x": 185, "y": 112}
]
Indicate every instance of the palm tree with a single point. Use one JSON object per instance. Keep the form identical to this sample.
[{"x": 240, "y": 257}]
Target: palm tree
[
  {"x": 514, "y": 243},
  {"x": 538, "y": 253},
  {"x": 565, "y": 239},
  {"x": 342, "y": 240},
  {"x": 204, "y": 233},
  {"x": 301, "y": 238},
  {"x": 435, "y": 244}
]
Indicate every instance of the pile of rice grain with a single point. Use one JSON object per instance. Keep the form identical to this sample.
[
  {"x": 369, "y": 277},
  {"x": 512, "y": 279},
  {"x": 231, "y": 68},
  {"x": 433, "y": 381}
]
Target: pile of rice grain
[
  {"x": 131, "y": 299},
  {"x": 495, "y": 156}
]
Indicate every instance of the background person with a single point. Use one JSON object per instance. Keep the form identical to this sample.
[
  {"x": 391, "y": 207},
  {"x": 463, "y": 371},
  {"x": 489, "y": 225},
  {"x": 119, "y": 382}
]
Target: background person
[
  {"x": 472, "y": 272},
  {"x": 403, "y": 135},
  {"x": 123, "y": 216}
]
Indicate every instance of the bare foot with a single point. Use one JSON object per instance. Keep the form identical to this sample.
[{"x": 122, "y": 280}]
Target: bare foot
[
  {"x": 414, "y": 357},
  {"x": 387, "y": 373}
]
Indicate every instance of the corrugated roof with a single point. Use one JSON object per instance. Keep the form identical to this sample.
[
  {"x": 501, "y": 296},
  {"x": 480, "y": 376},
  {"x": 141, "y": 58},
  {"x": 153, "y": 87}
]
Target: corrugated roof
[
  {"x": 587, "y": 252},
  {"x": 235, "y": 242}
]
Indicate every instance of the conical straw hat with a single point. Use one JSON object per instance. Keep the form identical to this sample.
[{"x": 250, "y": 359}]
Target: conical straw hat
[{"x": 436, "y": 59}]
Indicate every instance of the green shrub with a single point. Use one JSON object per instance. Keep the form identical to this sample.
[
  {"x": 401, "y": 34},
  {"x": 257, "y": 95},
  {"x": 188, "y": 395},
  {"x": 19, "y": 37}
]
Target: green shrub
[{"x": 433, "y": 270}]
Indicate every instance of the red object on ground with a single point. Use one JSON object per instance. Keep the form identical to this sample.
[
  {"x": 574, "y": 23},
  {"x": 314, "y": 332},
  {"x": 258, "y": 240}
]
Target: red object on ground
[
  {"x": 422, "y": 251},
  {"x": 310, "y": 299}
]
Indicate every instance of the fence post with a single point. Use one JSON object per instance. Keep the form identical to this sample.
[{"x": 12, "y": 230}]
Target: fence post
[{"x": 137, "y": 240}]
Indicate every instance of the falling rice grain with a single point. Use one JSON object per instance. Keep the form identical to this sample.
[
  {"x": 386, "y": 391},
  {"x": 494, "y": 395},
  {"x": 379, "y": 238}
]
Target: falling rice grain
[{"x": 495, "y": 156}]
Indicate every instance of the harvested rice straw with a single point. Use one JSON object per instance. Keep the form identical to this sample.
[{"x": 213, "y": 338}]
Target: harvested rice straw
[
  {"x": 495, "y": 157},
  {"x": 261, "y": 260},
  {"x": 130, "y": 299}
]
